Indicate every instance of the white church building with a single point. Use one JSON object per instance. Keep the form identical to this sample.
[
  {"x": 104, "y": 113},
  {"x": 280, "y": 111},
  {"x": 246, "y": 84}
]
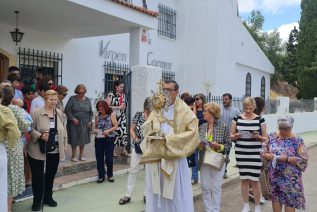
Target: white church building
[{"x": 202, "y": 44}]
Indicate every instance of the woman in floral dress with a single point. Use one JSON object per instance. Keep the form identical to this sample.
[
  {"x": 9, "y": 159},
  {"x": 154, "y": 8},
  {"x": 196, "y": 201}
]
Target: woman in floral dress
[
  {"x": 287, "y": 156},
  {"x": 16, "y": 179}
]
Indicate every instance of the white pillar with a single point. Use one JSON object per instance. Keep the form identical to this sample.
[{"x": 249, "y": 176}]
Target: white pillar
[
  {"x": 283, "y": 106},
  {"x": 144, "y": 80},
  {"x": 138, "y": 46}
]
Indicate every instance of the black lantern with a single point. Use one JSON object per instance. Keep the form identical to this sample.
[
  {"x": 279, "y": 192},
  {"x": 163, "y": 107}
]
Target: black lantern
[{"x": 16, "y": 35}]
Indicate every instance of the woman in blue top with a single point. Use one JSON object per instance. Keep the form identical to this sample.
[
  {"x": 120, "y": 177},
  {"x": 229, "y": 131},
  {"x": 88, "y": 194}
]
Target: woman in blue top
[{"x": 105, "y": 126}]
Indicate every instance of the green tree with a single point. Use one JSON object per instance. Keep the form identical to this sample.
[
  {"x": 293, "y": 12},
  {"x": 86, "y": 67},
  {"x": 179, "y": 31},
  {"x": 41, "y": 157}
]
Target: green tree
[
  {"x": 308, "y": 77},
  {"x": 307, "y": 48},
  {"x": 254, "y": 25},
  {"x": 270, "y": 43},
  {"x": 272, "y": 47},
  {"x": 290, "y": 64}
]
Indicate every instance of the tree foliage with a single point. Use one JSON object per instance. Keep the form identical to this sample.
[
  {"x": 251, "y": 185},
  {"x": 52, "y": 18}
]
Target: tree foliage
[
  {"x": 290, "y": 63},
  {"x": 270, "y": 43},
  {"x": 307, "y": 49}
]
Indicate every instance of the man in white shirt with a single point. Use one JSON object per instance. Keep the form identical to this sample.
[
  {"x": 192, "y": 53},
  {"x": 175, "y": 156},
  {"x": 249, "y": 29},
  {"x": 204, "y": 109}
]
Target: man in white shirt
[
  {"x": 228, "y": 112},
  {"x": 39, "y": 101}
]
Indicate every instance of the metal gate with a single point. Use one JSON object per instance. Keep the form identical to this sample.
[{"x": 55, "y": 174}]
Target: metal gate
[
  {"x": 117, "y": 71},
  {"x": 50, "y": 62}
]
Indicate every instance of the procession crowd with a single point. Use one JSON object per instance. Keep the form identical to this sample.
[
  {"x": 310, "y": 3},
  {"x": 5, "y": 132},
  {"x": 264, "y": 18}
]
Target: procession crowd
[{"x": 36, "y": 129}]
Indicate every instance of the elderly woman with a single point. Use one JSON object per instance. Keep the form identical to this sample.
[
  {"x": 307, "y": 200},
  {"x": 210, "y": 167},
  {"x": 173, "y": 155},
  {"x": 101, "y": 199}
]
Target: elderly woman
[
  {"x": 287, "y": 156},
  {"x": 215, "y": 134},
  {"x": 249, "y": 131},
  {"x": 16, "y": 179},
  {"x": 9, "y": 134},
  {"x": 46, "y": 119},
  {"x": 117, "y": 101},
  {"x": 79, "y": 115}
]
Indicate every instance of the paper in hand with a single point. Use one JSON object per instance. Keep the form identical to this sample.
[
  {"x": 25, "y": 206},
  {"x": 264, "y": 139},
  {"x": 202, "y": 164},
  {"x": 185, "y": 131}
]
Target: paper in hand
[{"x": 245, "y": 134}]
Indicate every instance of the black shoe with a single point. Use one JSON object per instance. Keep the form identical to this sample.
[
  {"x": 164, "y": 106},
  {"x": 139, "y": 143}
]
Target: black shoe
[
  {"x": 50, "y": 202},
  {"x": 100, "y": 180},
  {"x": 110, "y": 179},
  {"x": 36, "y": 206},
  {"x": 144, "y": 199},
  {"x": 124, "y": 200}
]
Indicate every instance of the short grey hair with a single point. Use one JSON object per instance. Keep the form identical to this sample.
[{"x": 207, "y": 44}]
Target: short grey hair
[{"x": 285, "y": 120}]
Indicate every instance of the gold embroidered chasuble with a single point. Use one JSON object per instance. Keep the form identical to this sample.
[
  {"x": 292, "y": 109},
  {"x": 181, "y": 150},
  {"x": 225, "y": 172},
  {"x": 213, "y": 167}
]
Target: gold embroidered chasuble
[{"x": 181, "y": 143}]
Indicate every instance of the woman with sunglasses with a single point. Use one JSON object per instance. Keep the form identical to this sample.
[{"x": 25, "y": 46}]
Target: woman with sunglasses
[
  {"x": 287, "y": 157},
  {"x": 198, "y": 109},
  {"x": 62, "y": 93}
]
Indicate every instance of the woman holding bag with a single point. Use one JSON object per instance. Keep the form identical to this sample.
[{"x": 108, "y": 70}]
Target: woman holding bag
[
  {"x": 105, "y": 126},
  {"x": 46, "y": 119},
  {"x": 215, "y": 134},
  {"x": 287, "y": 159}
]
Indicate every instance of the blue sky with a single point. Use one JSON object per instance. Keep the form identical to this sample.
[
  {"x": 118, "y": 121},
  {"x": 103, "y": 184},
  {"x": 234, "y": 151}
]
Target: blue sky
[{"x": 278, "y": 14}]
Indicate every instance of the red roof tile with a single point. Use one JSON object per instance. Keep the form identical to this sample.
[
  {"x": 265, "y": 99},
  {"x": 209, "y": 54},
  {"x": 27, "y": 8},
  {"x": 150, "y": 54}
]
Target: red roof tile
[{"x": 138, "y": 8}]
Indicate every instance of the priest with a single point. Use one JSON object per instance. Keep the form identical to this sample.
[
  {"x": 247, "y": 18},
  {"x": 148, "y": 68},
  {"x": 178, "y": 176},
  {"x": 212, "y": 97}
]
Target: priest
[{"x": 171, "y": 134}]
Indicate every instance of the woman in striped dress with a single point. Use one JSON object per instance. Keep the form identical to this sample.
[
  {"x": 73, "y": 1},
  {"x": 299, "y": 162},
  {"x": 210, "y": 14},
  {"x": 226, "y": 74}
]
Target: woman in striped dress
[{"x": 249, "y": 131}]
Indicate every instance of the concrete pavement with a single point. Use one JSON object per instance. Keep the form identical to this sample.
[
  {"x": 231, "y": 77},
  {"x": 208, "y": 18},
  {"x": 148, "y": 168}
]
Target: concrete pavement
[
  {"x": 104, "y": 197},
  {"x": 232, "y": 199}
]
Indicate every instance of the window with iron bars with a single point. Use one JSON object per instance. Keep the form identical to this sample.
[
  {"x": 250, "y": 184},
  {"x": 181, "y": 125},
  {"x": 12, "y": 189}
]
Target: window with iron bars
[
  {"x": 166, "y": 22},
  {"x": 113, "y": 72},
  {"x": 30, "y": 60},
  {"x": 168, "y": 75}
]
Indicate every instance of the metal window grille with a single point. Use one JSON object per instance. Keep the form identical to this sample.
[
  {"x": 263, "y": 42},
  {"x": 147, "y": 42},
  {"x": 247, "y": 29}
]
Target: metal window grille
[
  {"x": 248, "y": 85},
  {"x": 31, "y": 59},
  {"x": 113, "y": 72},
  {"x": 167, "y": 22},
  {"x": 168, "y": 75},
  {"x": 263, "y": 87}
]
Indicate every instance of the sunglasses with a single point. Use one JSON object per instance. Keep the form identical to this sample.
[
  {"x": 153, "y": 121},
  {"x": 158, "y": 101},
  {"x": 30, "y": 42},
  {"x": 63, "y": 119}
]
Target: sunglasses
[
  {"x": 81, "y": 93},
  {"x": 64, "y": 94},
  {"x": 197, "y": 99},
  {"x": 283, "y": 128}
]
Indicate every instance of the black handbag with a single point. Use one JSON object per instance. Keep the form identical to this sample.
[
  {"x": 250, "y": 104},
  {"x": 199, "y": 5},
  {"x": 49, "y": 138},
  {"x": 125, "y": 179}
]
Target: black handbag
[
  {"x": 50, "y": 145},
  {"x": 137, "y": 147}
]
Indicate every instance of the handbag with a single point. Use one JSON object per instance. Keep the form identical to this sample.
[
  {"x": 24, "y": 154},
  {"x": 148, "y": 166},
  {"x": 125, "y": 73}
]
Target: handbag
[
  {"x": 137, "y": 147},
  {"x": 265, "y": 181},
  {"x": 214, "y": 159},
  {"x": 50, "y": 145}
]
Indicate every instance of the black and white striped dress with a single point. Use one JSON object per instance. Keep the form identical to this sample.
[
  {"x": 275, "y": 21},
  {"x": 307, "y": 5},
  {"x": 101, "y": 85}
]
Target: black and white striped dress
[{"x": 247, "y": 149}]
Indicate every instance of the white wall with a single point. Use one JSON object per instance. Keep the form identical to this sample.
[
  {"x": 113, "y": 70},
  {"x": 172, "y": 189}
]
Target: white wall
[
  {"x": 303, "y": 122},
  {"x": 84, "y": 64}
]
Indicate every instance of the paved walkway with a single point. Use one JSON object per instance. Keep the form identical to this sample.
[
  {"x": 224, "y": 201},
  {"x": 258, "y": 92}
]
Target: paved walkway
[{"x": 104, "y": 197}]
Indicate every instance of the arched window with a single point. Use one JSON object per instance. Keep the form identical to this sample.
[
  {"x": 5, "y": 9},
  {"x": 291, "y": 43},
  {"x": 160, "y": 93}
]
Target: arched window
[
  {"x": 263, "y": 87},
  {"x": 248, "y": 85}
]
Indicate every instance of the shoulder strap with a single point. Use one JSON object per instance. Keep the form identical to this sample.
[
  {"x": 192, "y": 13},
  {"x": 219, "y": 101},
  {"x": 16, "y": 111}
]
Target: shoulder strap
[{"x": 55, "y": 120}]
